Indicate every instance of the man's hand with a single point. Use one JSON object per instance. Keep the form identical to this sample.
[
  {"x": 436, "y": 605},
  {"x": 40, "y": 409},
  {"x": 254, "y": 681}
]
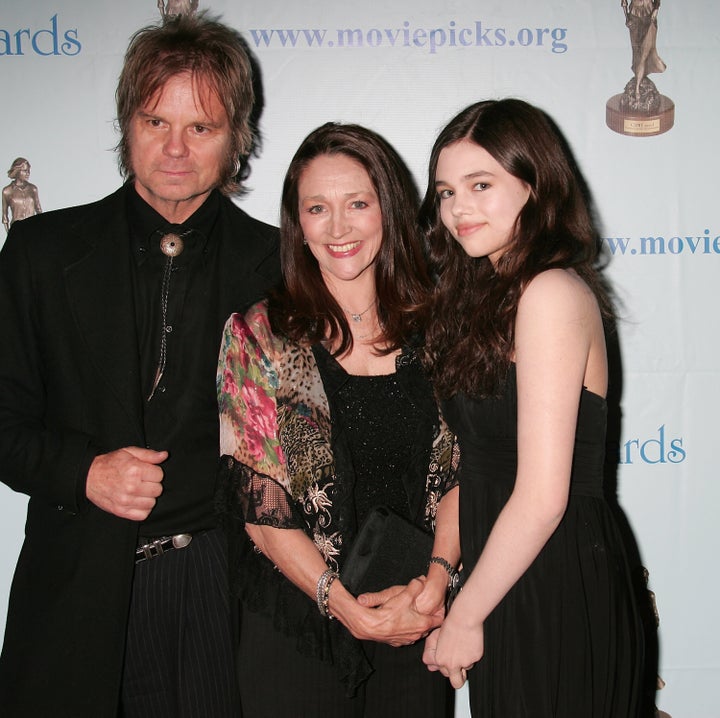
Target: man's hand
[{"x": 126, "y": 482}]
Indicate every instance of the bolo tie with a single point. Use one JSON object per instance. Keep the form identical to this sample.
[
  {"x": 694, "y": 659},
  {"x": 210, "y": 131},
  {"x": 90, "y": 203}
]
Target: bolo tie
[{"x": 171, "y": 245}]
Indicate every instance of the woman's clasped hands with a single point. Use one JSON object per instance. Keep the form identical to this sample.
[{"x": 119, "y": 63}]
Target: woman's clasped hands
[{"x": 400, "y": 615}]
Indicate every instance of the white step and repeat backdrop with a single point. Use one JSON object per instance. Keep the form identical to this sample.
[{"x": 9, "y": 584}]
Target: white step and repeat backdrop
[{"x": 404, "y": 67}]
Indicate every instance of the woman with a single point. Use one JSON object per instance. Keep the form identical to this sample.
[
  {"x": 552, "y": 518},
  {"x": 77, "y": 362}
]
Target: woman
[
  {"x": 517, "y": 350},
  {"x": 325, "y": 413}
]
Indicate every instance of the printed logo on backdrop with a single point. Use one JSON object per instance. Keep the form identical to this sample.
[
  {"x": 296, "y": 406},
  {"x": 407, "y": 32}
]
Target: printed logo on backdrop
[
  {"x": 640, "y": 110},
  {"x": 665, "y": 245},
  {"x": 661, "y": 447},
  {"x": 51, "y": 39},
  {"x": 473, "y": 34}
]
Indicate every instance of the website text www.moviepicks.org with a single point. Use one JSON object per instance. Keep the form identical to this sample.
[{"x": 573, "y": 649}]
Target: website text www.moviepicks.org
[{"x": 476, "y": 34}]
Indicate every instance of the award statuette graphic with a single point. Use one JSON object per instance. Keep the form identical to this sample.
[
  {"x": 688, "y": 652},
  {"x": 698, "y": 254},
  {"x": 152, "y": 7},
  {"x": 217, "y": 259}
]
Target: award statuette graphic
[
  {"x": 173, "y": 8},
  {"x": 641, "y": 110},
  {"x": 20, "y": 198}
]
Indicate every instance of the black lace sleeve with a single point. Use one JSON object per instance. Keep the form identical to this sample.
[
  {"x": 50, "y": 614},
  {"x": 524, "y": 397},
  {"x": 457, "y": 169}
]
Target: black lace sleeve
[{"x": 255, "y": 498}]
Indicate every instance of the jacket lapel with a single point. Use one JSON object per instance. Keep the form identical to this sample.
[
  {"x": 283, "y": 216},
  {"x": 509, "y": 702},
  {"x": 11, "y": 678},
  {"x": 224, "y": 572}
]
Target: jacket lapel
[{"x": 100, "y": 291}]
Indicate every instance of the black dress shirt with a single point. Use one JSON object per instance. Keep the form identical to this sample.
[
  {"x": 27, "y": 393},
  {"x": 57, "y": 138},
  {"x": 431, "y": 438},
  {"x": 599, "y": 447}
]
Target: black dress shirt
[{"x": 180, "y": 411}]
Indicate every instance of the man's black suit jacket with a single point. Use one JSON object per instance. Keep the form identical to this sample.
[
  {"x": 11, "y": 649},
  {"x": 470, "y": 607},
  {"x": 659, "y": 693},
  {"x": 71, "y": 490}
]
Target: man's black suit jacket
[{"x": 69, "y": 380}]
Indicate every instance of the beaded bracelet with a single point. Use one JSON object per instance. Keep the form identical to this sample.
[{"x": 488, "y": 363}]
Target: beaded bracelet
[
  {"x": 323, "y": 592},
  {"x": 451, "y": 570}
]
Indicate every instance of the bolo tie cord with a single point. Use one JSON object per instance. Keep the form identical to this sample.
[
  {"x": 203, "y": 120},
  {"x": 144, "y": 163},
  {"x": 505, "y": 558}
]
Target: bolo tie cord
[{"x": 171, "y": 245}]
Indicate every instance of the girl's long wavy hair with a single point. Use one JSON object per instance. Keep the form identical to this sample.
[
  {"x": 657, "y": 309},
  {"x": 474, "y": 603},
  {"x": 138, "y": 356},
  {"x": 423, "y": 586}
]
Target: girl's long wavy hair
[
  {"x": 471, "y": 331},
  {"x": 303, "y": 309}
]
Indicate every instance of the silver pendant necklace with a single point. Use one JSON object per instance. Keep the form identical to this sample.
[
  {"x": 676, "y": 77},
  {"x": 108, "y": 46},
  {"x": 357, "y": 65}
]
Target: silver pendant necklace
[{"x": 357, "y": 317}]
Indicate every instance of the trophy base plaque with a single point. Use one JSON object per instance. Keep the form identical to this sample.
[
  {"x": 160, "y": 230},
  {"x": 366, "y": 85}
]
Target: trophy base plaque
[{"x": 638, "y": 124}]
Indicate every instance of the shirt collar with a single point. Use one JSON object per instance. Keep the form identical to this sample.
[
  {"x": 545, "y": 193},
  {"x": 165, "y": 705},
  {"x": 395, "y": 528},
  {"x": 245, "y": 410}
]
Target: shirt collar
[{"x": 147, "y": 226}]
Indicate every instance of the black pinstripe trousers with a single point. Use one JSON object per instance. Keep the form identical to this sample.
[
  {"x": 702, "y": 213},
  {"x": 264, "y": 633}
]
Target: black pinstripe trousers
[{"x": 180, "y": 654}]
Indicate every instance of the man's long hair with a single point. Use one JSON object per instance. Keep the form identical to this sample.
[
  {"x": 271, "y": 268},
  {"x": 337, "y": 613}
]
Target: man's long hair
[{"x": 207, "y": 51}]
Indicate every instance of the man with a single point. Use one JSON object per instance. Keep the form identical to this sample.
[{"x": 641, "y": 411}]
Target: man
[{"x": 111, "y": 316}]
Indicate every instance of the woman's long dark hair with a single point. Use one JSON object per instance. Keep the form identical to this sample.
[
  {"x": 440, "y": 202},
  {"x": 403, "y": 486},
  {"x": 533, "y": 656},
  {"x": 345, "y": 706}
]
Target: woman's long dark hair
[
  {"x": 471, "y": 331},
  {"x": 303, "y": 309}
]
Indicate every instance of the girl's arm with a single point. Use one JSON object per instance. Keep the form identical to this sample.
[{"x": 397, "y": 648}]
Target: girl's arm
[{"x": 558, "y": 328}]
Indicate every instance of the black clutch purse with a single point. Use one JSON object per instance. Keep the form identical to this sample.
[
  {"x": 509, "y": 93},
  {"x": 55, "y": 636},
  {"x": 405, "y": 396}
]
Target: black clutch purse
[{"x": 389, "y": 550}]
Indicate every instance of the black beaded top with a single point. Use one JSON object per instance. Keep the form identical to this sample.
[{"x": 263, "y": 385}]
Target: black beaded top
[{"x": 380, "y": 427}]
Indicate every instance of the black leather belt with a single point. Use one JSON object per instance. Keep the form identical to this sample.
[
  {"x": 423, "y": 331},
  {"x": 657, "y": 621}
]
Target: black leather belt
[{"x": 152, "y": 548}]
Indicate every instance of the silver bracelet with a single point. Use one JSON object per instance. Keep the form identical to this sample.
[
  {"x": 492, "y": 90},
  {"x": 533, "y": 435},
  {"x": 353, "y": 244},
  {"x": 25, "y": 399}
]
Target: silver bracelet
[{"x": 322, "y": 594}]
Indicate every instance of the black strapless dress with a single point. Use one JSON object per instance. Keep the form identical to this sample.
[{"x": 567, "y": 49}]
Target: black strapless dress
[{"x": 566, "y": 641}]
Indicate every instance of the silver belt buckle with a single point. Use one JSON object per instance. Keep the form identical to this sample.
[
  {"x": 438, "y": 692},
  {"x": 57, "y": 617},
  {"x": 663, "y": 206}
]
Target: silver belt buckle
[
  {"x": 159, "y": 546},
  {"x": 181, "y": 540}
]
